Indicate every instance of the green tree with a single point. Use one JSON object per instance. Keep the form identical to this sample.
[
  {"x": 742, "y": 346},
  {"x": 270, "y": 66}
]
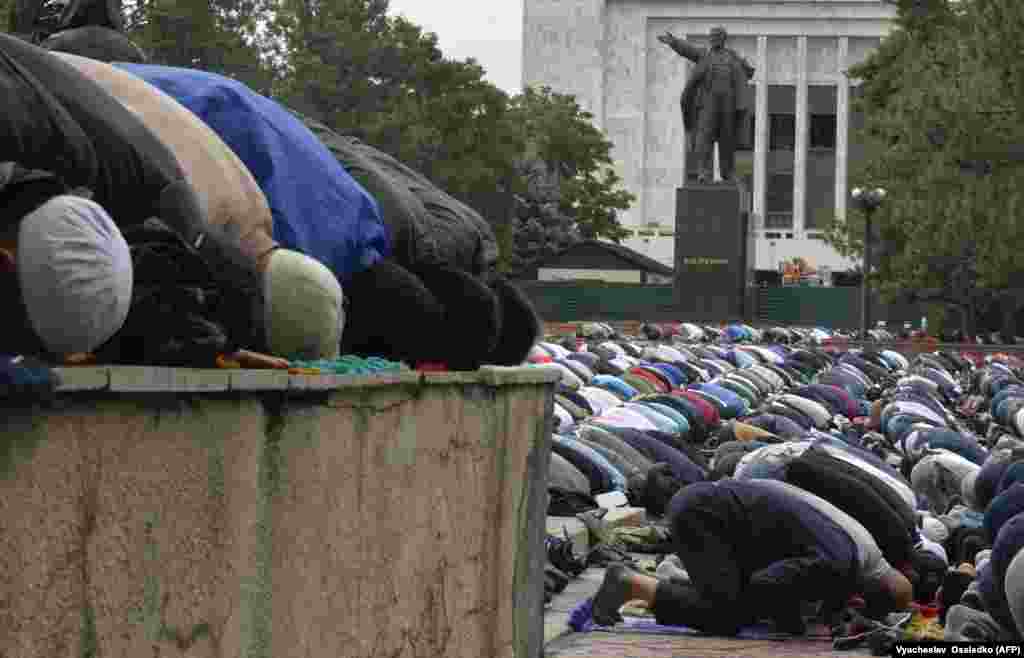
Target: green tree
[
  {"x": 567, "y": 188},
  {"x": 21, "y": 15},
  {"x": 336, "y": 56},
  {"x": 576, "y": 159},
  {"x": 942, "y": 107},
  {"x": 384, "y": 80},
  {"x": 221, "y": 36},
  {"x": 7, "y": 15}
]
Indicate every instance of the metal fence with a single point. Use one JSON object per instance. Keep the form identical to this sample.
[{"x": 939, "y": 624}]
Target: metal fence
[
  {"x": 591, "y": 300},
  {"x": 835, "y": 308}
]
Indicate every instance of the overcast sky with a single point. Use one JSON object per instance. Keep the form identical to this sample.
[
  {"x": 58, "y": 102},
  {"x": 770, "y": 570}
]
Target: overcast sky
[{"x": 489, "y": 31}]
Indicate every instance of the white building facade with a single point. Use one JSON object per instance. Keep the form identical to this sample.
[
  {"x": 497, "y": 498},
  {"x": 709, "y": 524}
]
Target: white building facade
[{"x": 796, "y": 149}]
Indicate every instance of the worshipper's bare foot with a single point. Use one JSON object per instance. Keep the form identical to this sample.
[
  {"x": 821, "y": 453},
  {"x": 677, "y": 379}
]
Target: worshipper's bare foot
[
  {"x": 615, "y": 591},
  {"x": 256, "y": 360}
]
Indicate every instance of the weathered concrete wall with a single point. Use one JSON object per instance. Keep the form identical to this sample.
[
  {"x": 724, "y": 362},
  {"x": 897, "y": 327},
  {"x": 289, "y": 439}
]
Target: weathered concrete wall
[{"x": 244, "y": 514}]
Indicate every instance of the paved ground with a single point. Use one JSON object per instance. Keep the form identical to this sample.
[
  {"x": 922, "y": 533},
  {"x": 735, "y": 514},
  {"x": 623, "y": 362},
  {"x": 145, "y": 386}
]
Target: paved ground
[
  {"x": 560, "y": 642},
  {"x": 556, "y": 616}
]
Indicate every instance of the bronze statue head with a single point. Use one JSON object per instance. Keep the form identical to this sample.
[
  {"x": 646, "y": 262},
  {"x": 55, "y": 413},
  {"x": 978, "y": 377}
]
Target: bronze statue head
[
  {"x": 56, "y": 15},
  {"x": 718, "y": 37},
  {"x": 52, "y": 15}
]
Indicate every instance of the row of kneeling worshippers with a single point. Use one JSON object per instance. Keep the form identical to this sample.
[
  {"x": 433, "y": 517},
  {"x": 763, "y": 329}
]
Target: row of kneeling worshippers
[
  {"x": 731, "y": 333},
  {"x": 170, "y": 216},
  {"x": 864, "y": 481}
]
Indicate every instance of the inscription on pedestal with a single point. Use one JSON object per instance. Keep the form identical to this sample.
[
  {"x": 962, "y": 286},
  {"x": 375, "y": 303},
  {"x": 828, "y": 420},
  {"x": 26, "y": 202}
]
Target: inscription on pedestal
[{"x": 712, "y": 252}]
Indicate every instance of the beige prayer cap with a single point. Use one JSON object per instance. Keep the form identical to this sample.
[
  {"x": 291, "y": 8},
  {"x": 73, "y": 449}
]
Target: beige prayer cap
[{"x": 304, "y": 312}]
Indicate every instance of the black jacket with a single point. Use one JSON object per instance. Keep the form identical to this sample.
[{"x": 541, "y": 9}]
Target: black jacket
[
  {"x": 21, "y": 191},
  {"x": 885, "y": 515},
  {"x": 189, "y": 304},
  {"x": 783, "y": 545}
]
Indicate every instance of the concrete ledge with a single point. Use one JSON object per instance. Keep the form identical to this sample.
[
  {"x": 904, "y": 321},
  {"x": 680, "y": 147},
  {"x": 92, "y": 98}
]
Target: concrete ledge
[
  {"x": 396, "y": 514},
  {"x": 84, "y": 379},
  {"x": 137, "y": 379},
  {"x": 147, "y": 379},
  {"x": 260, "y": 380}
]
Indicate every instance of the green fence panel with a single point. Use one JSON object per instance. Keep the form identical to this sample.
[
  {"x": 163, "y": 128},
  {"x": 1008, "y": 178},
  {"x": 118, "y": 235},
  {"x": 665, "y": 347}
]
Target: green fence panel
[
  {"x": 797, "y": 305},
  {"x": 567, "y": 302},
  {"x": 834, "y": 308}
]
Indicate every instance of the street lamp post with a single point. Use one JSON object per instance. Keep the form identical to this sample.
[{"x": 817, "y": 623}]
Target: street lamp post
[{"x": 868, "y": 201}]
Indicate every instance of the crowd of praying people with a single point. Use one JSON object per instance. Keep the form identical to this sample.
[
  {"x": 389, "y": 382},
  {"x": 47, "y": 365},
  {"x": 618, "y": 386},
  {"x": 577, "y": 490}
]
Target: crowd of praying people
[
  {"x": 800, "y": 483},
  {"x": 160, "y": 215}
]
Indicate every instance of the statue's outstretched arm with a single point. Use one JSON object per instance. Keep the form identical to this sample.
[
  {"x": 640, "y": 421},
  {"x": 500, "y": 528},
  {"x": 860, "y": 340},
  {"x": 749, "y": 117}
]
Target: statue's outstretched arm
[
  {"x": 682, "y": 47},
  {"x": 747, "y": 67}
]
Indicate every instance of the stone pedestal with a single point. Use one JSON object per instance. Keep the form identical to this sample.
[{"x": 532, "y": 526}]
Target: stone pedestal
[
  {"x": 188, "y": 513},
  {"x": 714, "y": 252}
]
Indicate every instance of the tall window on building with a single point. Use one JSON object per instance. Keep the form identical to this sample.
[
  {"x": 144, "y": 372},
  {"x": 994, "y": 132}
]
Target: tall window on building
[
  {"x": 782, "y": 132},
  {"x": 823, "y": 131},
  {"x": 820, "y": 193},
  {"x": 778, "y": 211},
  {"x": 779, "y": 201}
]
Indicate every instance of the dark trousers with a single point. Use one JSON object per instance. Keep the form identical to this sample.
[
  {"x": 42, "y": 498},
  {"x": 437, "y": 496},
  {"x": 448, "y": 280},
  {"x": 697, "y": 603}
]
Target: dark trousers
[
  {"x": 716, "y": 123},
  {"x": 717, "y": 600},
  {"x": 725, "y": 596},
  {"x": 718, "y": 612}
]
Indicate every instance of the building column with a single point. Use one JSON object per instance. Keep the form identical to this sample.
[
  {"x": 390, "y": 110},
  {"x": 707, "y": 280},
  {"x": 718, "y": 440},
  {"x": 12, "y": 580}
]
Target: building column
[
  {"x": 687, "y": 69},
  {"x": 760, "y": 131},
  {"x": 800, "y": 147},
  {"x": 842, "y": 129}
]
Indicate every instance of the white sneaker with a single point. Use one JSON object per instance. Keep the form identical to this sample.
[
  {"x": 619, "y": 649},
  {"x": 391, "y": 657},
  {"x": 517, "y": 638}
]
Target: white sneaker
[{"x": 672, "y": 569}]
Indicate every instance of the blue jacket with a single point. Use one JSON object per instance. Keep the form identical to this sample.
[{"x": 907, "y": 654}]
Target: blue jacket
[
  {"x": 676, "y": 375},
  {"x": 837, "y": 377},
  {"x": 986, "y": 485},
  {"x": 318, "y": 208},
  {"x": 1013, "y": 474},
  {"x": 1003, "y": 507},
  {"x": 942, "y": 437},
  {"x": 778, "y": 425},
  {"x": 657, "y": 451},
  {"x": 1013, "y": 390},
  {"x": 602, "y": 475},
  {"x": 735, "y": 405},
  {"x": 615, "y": 385},
  {"x": 991, "y": 579}
]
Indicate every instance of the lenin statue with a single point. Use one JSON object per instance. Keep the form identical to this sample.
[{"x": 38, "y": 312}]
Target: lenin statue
[
  {"x": 711, "y": 101},
  {"x": 88, "y": 28}
]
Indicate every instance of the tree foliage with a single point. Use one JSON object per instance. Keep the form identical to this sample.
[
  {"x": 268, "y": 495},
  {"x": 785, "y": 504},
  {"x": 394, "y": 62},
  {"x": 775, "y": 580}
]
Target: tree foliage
[
  {"x": 942, "y": 98},
  {"x": 213, "y": 35},
  {"x": 576, "y": 158},
  {"x": 381, "y": 78}
]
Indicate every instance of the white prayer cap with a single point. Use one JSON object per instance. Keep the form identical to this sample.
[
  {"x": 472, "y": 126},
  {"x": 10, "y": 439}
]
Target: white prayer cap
[{"x": 75, "y": 273}]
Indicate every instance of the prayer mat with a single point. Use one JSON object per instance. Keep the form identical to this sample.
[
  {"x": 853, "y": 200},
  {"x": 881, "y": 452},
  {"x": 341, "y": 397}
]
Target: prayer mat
[
  {"x": 581, "y": 621},
  {"x": 643, "y": 645}
]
